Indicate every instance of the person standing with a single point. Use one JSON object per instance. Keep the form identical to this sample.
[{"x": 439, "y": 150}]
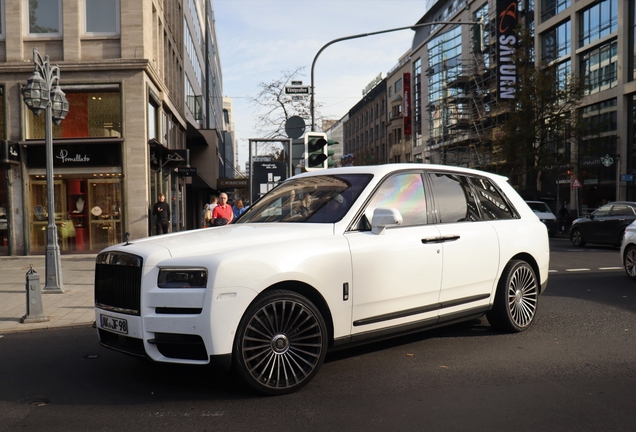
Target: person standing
[
  {"x": 222, "y": 214},
  {"x": 239, "y": 209},
  {"x": 161, "y": 212}
]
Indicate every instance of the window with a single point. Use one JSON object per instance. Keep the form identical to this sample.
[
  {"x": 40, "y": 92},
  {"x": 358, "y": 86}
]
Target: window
[
  {"x": 563, "y": 72},
  {"x": 101, "y": 17},
  {"x": 454, "y": 199},
  {"x": 600, "y": 67},
  {"x": 598, "y": 21},
  {"x": 2, "y": 15},
  {"x": 556, "y": 42},
  {"x": 398, "y": 85},
  {"x": 44, "y": 17},
  {"x": 404, "y": 192},
  {"x": 550, "y": 8},
  {"x": 491, "y": 203},
  {"x": 152, "y": 121}
]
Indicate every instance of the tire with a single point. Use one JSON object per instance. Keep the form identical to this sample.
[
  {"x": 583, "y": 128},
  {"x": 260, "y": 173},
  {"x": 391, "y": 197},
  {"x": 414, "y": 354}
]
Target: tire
[
  {"x": 629, "y": 261},
  {"x": 516, "y": 298},
  {"x": 576, "y": 237},
  {"x": 281, "y": 343}
]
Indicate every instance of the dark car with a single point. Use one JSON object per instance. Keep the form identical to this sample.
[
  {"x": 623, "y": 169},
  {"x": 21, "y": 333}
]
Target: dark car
[{"x": 605, "y": 225}]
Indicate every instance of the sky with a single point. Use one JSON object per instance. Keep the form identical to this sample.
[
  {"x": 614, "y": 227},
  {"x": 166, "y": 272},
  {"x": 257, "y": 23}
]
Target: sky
[{"x": 259, "y": 39}]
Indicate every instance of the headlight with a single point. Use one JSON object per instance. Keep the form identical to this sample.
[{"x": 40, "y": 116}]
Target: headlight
[{"x": 182, "y": 278}]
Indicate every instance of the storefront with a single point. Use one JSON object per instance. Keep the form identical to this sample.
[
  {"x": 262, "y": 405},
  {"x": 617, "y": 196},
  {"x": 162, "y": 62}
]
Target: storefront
[
  {"x": 8, "y": 159},
  {"x": 89, "y": 210}
]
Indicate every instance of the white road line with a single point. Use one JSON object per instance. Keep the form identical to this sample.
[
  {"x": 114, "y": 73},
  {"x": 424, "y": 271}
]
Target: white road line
[
  {"x": 553, "y": 271},
  {"x": 610, "y": 268},
  {"x": 577, "y": 270}
]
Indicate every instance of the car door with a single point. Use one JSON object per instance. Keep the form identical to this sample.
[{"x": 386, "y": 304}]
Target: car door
[
  {"x": 397, "y": 274},
  {"x": 598, "y": 228},
  {"x": 471, "y": 258},
  {"x": 621, "y": 215}
]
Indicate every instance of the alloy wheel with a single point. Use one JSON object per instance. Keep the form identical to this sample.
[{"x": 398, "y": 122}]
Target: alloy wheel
[{"x": 523, "y": 294}]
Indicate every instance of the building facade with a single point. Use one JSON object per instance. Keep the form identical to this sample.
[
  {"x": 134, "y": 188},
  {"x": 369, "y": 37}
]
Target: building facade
[
  {"x": 455, "y": 101},
  {"x": 135, "y": 76}
]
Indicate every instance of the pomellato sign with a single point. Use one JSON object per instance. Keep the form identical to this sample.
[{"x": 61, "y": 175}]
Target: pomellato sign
[
  {"x": 77, "y": 158},
  {"x": 75, "y": 155},
  {"x": 506, "y": 44}
]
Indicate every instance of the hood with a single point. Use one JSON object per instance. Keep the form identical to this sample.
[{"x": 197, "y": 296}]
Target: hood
[{"x": 214, "y": 240}]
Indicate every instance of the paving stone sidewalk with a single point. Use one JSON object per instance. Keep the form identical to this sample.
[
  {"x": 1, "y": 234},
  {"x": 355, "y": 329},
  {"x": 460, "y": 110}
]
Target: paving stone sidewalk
[{"x": 72, "y": 308}]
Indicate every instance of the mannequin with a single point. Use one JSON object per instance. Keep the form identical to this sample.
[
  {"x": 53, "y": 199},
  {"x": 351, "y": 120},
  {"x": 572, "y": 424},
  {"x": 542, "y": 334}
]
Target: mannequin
[{"x": 79, "y": 205}]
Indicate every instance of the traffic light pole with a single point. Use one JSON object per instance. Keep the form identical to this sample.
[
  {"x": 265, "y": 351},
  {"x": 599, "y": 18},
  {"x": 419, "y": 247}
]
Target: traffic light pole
[{"x": 313, "y": 64}]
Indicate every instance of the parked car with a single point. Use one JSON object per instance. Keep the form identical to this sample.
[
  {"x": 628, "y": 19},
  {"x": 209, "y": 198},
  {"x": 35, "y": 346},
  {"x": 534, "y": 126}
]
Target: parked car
[
  {"x": 628, "y": 250},
  {"x": 605, "y": 225},
  {"x": 325, "y": 260},
  {"x": 545, "y": 215}
]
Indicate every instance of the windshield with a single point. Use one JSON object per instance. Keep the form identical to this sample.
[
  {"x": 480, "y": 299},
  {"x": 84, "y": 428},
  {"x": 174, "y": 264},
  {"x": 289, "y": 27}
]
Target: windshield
[
  {"x": 316, "y": 199},
  {"x": 539, "y": 207}
]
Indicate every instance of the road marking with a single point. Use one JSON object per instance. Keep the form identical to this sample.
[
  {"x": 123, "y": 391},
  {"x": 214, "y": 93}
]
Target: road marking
[
  {"x": 553, "y": 271},
  {"x": 577, "y": 270},
  {"x": 610, "y": 268}
]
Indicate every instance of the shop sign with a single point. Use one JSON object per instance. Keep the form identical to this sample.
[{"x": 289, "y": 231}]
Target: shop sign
[
  {"x": 406, "y": 103},
  {"x": 506, "y": 46},
  {"x": 627, "y": 177},
  {"x": 75, "y": 155},
  {"x": 232, "y": 183},
  {"x": 186, "y": 171}
]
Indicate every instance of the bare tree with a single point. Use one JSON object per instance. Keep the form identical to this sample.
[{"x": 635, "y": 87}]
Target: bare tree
[{"x": 275, "y": 107}]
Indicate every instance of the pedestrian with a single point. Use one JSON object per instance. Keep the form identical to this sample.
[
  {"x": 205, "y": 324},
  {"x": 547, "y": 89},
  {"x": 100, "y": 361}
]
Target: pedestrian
[
  {"x": 206, "y": 215},
  {"x": 222, "y": 213},
  {"x": 161, "y": 212},
  {"x": 239, "y": 209}
]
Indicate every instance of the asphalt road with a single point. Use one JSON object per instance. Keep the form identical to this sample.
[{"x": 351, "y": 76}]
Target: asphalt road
[{"x": 573, "y": 370}]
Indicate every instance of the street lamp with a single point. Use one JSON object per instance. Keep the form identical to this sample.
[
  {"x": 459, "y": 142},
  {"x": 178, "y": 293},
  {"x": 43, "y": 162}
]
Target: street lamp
[{"x": 43, "y": 92}]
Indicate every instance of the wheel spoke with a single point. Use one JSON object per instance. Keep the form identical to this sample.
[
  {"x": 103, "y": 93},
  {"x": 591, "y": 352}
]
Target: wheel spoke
[
  {"x": 282, "y": 344},
  {"x": 522, "y": 296}
]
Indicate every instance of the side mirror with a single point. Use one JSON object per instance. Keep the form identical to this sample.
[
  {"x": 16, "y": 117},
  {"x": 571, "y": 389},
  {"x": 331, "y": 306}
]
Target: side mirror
[{"x": 383, "y": 217}]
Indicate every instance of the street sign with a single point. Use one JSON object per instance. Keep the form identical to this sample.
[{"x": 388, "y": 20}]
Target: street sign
[
  {"x": 186, "y": 171},
  {"x": 296, "y": 83},
  {"x": 627, "y": 177},
  {"x": 576, "y": 183},
  {"x": 297, "y": 90}
]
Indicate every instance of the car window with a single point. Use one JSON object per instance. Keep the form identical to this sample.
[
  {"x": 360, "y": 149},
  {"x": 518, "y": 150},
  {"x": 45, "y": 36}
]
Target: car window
[
  {"x": 492, "y": 204},
  {"x": 404, "y": 192},
  {"x": 316, "y": 199},
  {"x": 539, "y": 207},
  {"x": 622, "y": 210},
  {"x": 602, "y": 211},
  {"x": 454, "y": 199}
]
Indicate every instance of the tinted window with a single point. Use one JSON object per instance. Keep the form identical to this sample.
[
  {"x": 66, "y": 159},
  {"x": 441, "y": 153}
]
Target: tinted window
[
  {"x": 602, "y": 211},
  {"x": 622, "y": 210},
  {"x": 491, "y": 203},
  {"x": 454, "y": 199},
  {"x": 404, "y": 192}
]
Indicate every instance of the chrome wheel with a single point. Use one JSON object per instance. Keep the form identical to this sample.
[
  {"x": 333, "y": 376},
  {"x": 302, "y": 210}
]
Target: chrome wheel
[
  {"x": 516, "y": 299},
  {"x": 630, "y": 262},
  {"x": 523, "y": 294},
  {"x": 281, "y": 343}
]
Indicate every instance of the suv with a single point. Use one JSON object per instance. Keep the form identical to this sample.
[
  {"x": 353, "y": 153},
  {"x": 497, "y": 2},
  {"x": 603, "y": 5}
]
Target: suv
[
  {"x": 325, "y": 260},
  {"x": 545, "y": 215},
  {"x": 605, "y": 225}
]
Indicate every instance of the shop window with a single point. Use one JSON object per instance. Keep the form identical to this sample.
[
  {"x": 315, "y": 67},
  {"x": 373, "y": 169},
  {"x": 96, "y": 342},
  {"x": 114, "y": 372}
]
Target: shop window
[{"x": 89, "y": 115}]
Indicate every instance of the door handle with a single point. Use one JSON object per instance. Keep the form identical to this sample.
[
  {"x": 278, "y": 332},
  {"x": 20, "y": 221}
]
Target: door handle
[{"x": 440, "y": 239}]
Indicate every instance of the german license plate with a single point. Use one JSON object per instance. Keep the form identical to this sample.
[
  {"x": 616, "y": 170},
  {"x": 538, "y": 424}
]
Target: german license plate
[{"x": 116, "y": 325}]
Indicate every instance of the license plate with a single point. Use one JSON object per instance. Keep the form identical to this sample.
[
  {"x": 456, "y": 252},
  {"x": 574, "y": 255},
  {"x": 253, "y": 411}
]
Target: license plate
[{"x": 116, "y": 325}]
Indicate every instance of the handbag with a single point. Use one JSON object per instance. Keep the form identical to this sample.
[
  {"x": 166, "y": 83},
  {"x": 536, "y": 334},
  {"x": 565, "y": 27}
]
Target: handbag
[{"x": 67, "y": 228}]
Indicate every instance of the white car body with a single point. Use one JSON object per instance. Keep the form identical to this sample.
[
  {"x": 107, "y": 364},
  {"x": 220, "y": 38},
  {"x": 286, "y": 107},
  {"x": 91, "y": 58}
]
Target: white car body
[
  {"x": 366, "y": 283},
  {"x": 628, "y": 250}
]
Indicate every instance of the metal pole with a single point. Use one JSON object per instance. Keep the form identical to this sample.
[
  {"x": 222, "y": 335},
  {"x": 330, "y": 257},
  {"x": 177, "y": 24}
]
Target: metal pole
[{"x": 313, "y": 64}]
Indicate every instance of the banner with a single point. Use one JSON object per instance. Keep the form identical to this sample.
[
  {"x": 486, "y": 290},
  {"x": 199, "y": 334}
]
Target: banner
[
  {"x": 406, "y": 102},
  {"x": 506, "y": 44}
]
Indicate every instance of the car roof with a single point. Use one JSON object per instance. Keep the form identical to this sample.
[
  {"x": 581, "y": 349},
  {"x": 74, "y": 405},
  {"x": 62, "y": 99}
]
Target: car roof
[{"x": 382, "y": 170}]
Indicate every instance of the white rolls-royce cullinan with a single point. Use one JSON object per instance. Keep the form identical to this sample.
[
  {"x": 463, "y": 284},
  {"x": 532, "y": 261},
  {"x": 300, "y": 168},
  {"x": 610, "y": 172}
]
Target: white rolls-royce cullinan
[{"x": 325, "y": 260}]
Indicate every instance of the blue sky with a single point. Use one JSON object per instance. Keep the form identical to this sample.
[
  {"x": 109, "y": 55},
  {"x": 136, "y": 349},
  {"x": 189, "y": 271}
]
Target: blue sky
[{"x": 258, "y": 39}]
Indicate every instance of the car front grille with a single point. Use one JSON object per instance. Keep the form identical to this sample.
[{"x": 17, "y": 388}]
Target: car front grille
[{"x": 118, "y": 282}]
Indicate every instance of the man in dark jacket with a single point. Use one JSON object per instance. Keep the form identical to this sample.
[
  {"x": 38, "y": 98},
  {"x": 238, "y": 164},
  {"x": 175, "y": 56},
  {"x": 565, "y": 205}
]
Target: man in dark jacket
[{"x": 161, "y": 212}]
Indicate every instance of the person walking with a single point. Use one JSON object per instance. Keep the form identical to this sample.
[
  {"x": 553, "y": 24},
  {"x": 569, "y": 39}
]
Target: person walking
[
  {"x": 239, "y": 209},
  {"x": 222, "y": 214},
  {"x": 161, "y": 212}
]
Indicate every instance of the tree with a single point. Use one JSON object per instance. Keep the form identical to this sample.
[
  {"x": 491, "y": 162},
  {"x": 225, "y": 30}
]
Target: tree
[
  {"x": 275, "y": 107},
  {"x": 542, "y": 119}
]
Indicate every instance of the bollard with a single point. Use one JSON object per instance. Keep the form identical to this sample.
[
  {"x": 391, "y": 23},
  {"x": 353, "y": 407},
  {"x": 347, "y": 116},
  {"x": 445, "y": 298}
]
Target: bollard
[{"x": 35, "y": 311}]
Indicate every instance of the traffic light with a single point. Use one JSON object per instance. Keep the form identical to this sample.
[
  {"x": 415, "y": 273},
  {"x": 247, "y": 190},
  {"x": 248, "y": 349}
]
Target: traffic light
[
  {"x": 315, "y": 151},
  {"x": 330, "y": 162}
]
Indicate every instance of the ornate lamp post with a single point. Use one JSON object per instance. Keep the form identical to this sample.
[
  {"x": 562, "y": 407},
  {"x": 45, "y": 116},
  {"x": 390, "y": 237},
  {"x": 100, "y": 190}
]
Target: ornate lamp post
[{"x": 43, "y": 92}]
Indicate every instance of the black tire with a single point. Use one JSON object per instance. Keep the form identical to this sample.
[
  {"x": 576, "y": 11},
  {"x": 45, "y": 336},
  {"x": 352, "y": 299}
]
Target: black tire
[
  {"x": 629, "y": 261},
  {"x": 576, "y": 237},
  {"x": 516, "y": 298},
  {"x": 281, "y": 343}
]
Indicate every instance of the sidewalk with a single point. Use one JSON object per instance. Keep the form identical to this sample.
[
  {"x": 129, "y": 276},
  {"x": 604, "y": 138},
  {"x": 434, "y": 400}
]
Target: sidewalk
[{"x": 72, "y": 308}]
